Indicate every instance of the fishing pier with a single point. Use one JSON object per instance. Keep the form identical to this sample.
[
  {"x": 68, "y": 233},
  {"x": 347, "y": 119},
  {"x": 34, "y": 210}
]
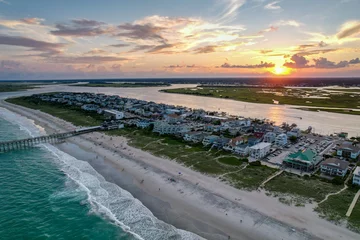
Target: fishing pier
[{"x": 34, "y": 141}]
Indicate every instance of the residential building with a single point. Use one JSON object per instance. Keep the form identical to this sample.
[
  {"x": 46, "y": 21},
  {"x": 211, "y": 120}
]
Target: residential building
[
  {"x": 233, "y": 143},
  {"x": 294, "y": 132},
  {"x": 195, "y": 137},
  {"x": 173, "y": 118},
  {"x": 113, "y": 114},
  {"x": 90, "y": 107},
  {"x": 281, "y": 140},
  {"x": 259, "y": 150},
  {"x": 356, "y": 176},
  {"x": 348, "y": 150},
  {"x": 242, "y": 149},
  {"x": 209, "y": 140},
  {"x": 162, "y": 127},
  {"x": 334, "y": 167},
  {"x": 143, "y": 124},
  {"x": 302, "y": 160},
  {"x": 269, "y": 137},
  {"x": 221, "y": 142}
]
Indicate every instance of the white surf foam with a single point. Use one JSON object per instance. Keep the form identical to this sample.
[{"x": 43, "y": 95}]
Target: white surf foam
[{"x": 106, "y": 198}]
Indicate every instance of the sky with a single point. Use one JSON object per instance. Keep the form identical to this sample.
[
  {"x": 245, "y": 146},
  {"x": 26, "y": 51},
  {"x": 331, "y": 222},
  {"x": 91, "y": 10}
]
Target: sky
[{"x": 42, "y": 39}]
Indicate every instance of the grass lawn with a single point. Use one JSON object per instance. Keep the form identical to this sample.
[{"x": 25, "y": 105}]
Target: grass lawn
[
  {"x": 335, "y": 208},
  {"x": 354, "y": 219},
  {"x": 267, "y": 95},
  {"x": 72, "y": 114},
  {"x": 234, "y": 161},
  {"x": 313, "y": 188},
  {"x": 250, "y": 178}
]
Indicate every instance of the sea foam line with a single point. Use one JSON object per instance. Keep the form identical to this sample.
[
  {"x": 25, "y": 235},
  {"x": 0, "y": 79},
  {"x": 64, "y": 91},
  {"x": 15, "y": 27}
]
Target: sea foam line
[{"x": 96, "y": 205}]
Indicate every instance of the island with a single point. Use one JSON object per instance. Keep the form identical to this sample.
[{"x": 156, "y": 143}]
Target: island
[{"x": 331, "y": 100}]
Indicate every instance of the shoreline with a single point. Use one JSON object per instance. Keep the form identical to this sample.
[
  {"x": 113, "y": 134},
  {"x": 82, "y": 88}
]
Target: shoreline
[{"x": 195, "y": 196}]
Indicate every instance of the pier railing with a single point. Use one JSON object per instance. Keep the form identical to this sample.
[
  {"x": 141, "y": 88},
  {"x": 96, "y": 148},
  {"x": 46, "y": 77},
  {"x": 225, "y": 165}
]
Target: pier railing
[{"x": 34, "y": 141}]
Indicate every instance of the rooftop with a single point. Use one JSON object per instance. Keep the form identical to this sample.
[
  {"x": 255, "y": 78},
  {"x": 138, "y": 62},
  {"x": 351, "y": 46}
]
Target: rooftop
[
  {"x": 357, "y": 171},
  {"x": 306, "y": 155},
  {"x": 261, "y": 145},
  {"x": 336, "y": 163}
]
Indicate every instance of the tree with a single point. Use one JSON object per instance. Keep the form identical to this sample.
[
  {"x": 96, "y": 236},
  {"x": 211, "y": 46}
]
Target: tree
[{"x": 293, "y": 139}]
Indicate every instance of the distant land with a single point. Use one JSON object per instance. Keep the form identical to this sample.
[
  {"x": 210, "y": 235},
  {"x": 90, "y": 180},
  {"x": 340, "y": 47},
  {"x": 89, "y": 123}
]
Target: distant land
[{"x": 283, "y": 81}]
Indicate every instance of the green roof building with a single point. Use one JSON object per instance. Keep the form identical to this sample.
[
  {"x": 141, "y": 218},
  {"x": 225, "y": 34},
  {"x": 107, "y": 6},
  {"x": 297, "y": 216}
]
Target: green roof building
[{"x": 302, "y": 160}]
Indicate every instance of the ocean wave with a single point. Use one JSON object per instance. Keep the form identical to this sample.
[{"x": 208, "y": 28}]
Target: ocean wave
[{"x": 24, "y": 124}]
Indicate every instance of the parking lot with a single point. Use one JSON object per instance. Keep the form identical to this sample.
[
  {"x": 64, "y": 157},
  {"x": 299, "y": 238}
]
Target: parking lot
[{"x": 319, "y": 144}]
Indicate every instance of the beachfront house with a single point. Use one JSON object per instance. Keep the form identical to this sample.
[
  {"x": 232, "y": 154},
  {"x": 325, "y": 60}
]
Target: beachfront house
[
  {"x": 259, "y": 150},
  {"x": 230, "y": 146},
  {"x": 143, "y": 124},
  {"x": 348, "y": 150},
  {"x": 334, "y": 167},
  {"x": 162, "y": 127},
  {"x": 242, "y": 149},
  {"x": 281, "y": 140},
  {"x": 114, "y": 114},
  {"x": 221, "y": 142},
  {"x": 209, "y": 140},
  {"x": 302, "y": 160},
  {"x": 270, "y": 137},
  {"x": 195, "y": 137},
  {"x": 356, "y": 176}
]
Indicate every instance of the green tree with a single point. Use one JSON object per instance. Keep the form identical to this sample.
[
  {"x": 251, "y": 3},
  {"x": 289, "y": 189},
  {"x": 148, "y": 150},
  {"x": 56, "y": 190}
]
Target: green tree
[{"x": 293, "y": 139}]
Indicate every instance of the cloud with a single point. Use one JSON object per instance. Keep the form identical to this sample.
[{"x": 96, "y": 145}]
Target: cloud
[
  {"x": 206, "y": 49},
  {"x": 269, "y": 29},
  {"x": 230, "y": 11},
  {"x": 273, "y": 6},
  {"x": 181, "y": 66},
  {"x": 160, "y": 48},
  {"x": 35, "y": 21},
  {"x": 138, "y": 31},
  {"x": 354, "y": 61},
  {"x": 5, "y": 2},
  {"x": 297, "y": 62},
  {"x": 95, "y": 51},
  {"x": 10, "y": 65},
  {"x": 324, "y": 63},
  {"x": 87, "y": 23},
  {"x": 265, "y": 51},
  {"x": 349, "y": 29},
  {"x": 86, "y": 59},
  {"x": 120, "y": 45},
  {"x": 141, "y": 48},
  {"x": 34, "y": 45},
  {"x": 179, "y": 35},
  {"x": 83, "y": 28},
  {"x": 292, "y": 23},
  {"x": 319, "y": 51},
  {"x": 320, "y": 63},
  {"x": 261, "y": 65}
]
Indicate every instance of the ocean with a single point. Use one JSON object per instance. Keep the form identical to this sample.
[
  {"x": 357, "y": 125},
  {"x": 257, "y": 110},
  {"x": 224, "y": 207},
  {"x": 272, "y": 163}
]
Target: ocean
[{"x": 48, "y": 194}]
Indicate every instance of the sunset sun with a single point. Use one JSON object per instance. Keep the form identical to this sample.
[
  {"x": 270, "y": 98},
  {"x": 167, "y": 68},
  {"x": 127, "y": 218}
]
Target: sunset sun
[{"x": 280, "y": 70}]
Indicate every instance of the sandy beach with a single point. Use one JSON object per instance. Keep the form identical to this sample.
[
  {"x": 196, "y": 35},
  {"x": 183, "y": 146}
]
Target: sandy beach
[{"x": 195, "y": 202}]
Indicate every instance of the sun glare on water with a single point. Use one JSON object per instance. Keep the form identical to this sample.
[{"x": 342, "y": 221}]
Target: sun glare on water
[{"x": 280, "y": 70}]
